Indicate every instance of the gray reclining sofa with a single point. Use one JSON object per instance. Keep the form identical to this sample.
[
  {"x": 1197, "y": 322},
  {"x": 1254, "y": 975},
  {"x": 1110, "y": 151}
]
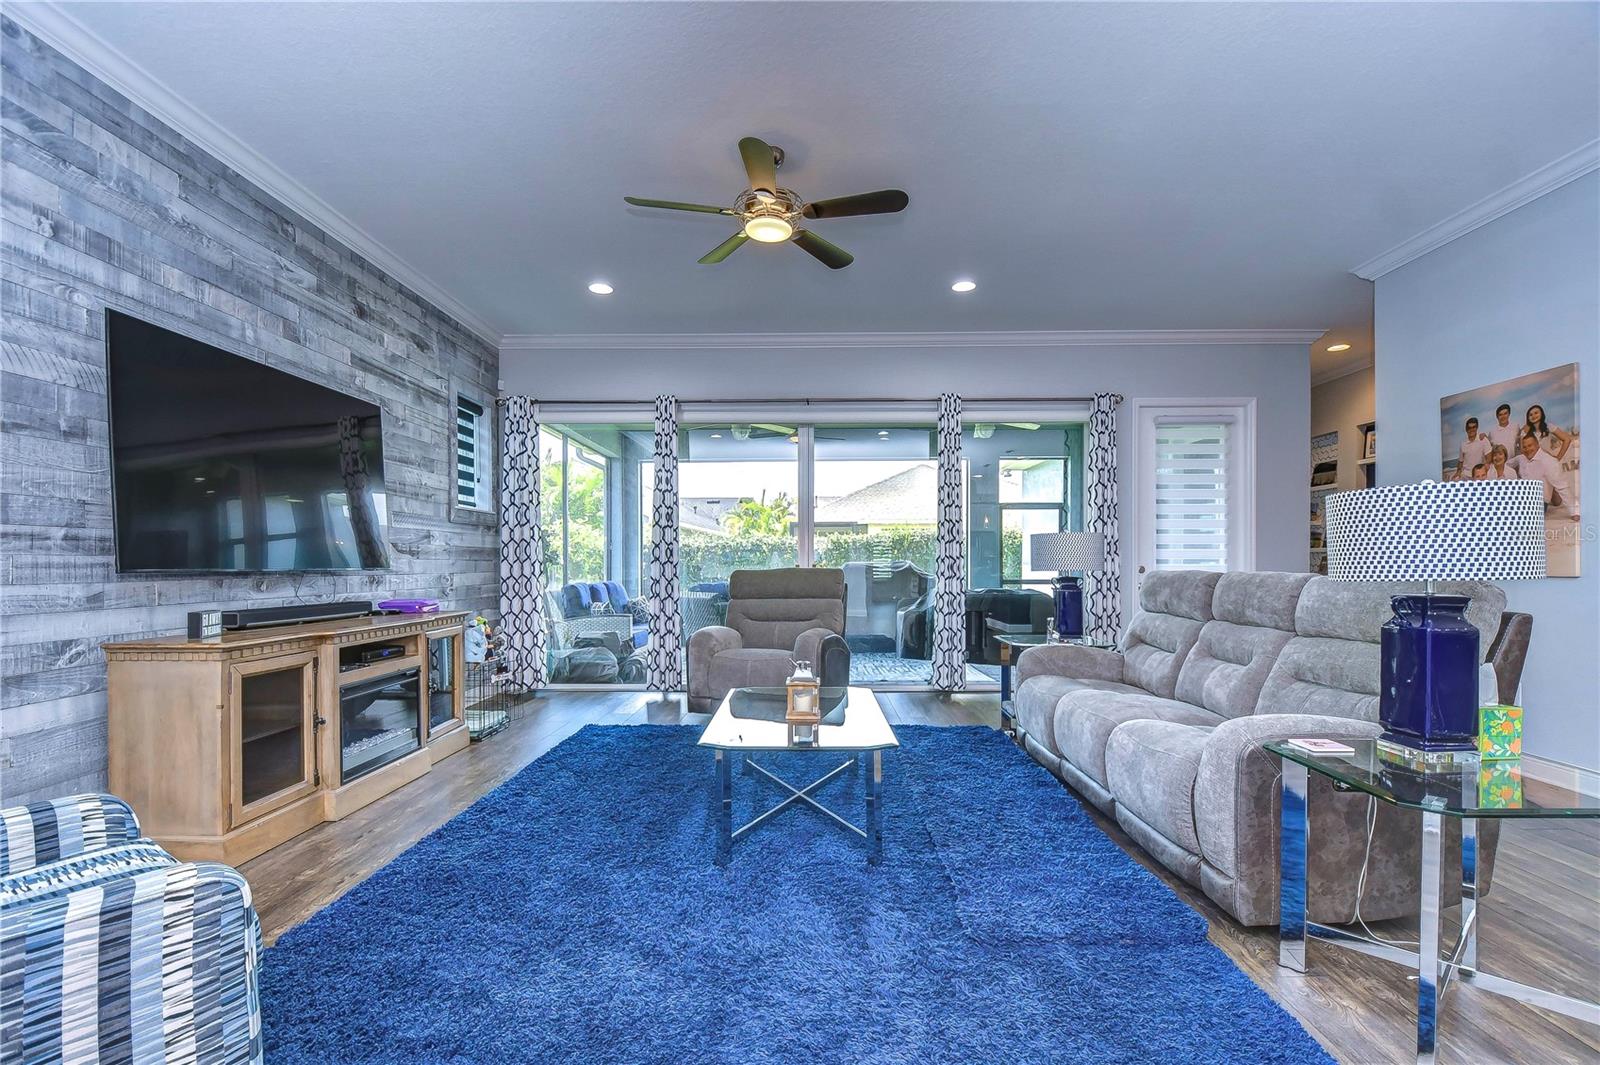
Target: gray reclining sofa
[{"x": 1165, "y": 734}]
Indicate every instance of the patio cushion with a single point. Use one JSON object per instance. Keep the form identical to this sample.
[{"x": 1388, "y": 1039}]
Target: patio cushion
[
  {"x": 1151, "y": 768},
  {"x": 1036, "y": 699},
  {"x": 1085, "y": 720}
]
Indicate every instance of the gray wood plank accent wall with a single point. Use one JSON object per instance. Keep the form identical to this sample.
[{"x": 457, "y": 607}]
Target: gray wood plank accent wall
[{"x": 105, "y": 206}]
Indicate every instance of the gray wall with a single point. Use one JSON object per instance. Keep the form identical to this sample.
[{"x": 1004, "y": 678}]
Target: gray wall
[
  {"x": 1517, "y": 295},
  {"x": 1278, "y": 376},
  {"x": 104, "y": 206}
]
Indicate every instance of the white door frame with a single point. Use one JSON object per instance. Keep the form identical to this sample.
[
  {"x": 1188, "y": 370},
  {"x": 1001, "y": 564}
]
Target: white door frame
[{"x": 1240, "y": 412}]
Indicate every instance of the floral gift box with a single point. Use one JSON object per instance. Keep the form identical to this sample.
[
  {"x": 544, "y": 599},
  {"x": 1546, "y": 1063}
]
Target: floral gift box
[
  {"x": 1500, "y": 785},
  {"x": 1499, "y": 731}
]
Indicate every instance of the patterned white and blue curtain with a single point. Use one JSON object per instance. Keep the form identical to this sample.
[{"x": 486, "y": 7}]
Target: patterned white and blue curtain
[
  {"x": 664, "y": 658},
  {"x": 1103, "y": 598},
  {"x": 950, "y": 566},
  {"x": 522, "y": 622}
]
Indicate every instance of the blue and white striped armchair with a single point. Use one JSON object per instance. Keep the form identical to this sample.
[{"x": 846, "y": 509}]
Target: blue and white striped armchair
[{"x": 111, "y": 950}]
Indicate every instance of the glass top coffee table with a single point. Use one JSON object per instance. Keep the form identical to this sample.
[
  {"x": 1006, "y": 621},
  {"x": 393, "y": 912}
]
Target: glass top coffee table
[
  {"x": 1469, "y": 791},
  {"x": 751, "y": 721}
]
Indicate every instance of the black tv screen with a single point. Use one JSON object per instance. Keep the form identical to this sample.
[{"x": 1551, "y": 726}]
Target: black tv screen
[{"x": 224, "y": 465}]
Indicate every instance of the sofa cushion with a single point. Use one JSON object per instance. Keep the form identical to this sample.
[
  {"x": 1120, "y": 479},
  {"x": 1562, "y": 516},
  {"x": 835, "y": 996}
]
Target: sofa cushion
[
  {"x": 1035, "y": 703},
  {"x": 1084, "y": 721},
  {"x": 1154, "y": 649},
  {"x": 1320, "y": 675},
  {"x": 1267, "y": 600},
  {"x": 1184, "y": 593},
  {"x": 1151, "y": 768},
  {"x": 1357, "y": 610},
  {"x": 1334, "y": 665},
  {"x": 746, "y": 667},
  {"x": 771, "y": 608},
  {"x": 1173, "y": 605},
  {"x": 1228, "y": 666}
]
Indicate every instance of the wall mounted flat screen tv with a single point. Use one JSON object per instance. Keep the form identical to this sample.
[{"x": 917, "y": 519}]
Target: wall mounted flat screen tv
[{"x": 224, "y": 465}]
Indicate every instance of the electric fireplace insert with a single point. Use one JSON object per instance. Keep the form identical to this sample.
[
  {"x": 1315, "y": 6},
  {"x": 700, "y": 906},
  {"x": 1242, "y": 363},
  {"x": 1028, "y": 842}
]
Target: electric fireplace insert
[{"x": 380, "y": 720}]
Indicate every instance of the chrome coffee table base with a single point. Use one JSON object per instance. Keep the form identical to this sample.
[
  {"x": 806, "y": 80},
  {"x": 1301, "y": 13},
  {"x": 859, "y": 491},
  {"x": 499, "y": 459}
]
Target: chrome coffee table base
[
  {"x": 1434, "y": 972},
  {"x": 727, "y": 833}
]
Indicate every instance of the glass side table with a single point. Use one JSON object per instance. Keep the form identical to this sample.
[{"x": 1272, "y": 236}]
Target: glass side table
[
  {"x": 1011, "y": 647},
  {"x": 1469, "y": 791}
]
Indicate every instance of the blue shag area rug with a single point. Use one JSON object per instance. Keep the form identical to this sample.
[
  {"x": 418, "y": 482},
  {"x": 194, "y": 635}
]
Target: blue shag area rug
[{"x": 575, "y": 914}]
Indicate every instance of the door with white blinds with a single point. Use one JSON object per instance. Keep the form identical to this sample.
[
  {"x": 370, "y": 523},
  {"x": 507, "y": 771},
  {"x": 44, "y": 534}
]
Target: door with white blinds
[{"x": 1194, "y": 487}]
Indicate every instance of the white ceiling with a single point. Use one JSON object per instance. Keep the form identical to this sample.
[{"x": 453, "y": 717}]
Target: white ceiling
[{"x": 1092, "y": 166}]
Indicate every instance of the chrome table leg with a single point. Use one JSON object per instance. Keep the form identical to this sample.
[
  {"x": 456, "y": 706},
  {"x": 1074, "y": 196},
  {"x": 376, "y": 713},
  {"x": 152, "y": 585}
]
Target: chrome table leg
[
  {"x": 1428, "y": 939},
  {"x": 1294, "y": 837},
  {"x": 1469, "y": 898},
  {"x": 725, "y": 812},
  {"x": 875, "y": 810}
]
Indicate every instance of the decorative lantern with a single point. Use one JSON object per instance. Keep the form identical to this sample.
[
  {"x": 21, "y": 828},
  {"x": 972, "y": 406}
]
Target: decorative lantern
[{"x": 803, "y": 707}]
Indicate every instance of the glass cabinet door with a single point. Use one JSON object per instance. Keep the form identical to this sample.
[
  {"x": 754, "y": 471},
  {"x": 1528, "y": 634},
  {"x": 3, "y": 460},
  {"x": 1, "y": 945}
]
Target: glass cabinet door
[
  {"x": 273, "y": 703},
  {"x": 444, "y": 682}
]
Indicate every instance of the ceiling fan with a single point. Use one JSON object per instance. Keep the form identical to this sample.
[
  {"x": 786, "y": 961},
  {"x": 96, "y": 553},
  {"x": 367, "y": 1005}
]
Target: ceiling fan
[{"x": 772, "y": 215}]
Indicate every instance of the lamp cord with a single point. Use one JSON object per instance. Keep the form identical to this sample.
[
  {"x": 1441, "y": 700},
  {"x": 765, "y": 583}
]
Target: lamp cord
[
  {"x": 1361, "y": 877},
  {"x": 1361, "y": 880}
]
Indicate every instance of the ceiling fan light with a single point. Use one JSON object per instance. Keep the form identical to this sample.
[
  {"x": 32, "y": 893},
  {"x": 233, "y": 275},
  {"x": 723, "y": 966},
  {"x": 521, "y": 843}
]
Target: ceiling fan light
[{"x": 768, "y": 229}]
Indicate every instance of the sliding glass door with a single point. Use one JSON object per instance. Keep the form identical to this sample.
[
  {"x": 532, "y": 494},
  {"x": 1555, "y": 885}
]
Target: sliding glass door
[
  {"x": 860, "y": 495},
  {"x": 738, "y": 508},
  {"x": 1023, "y": 478},
  {"x": 875, "y": 502},
  {"x": 597, "y": 622}
]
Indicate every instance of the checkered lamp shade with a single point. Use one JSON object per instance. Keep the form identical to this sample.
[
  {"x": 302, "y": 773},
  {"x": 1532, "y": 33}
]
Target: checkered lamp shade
[
  {"x": 1068, "y": 552},
  {"x": 1456, "y": 530}
]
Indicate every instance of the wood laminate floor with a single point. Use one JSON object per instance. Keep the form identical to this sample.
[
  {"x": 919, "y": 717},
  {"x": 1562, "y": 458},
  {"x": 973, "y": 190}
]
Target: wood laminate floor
[{"x": 1540, "y": 923}]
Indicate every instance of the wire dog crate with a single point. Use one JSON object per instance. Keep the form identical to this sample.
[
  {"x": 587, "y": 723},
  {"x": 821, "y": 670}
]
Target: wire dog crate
[{"x": 492, "y": 700}]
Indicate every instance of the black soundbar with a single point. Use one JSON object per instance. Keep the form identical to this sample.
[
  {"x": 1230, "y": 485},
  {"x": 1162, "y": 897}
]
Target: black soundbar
[{"x": 294, "y": 615}]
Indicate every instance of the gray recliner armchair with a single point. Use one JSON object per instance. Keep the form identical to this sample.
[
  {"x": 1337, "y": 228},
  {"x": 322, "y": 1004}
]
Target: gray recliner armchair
[{"x": 774, "y": 617}]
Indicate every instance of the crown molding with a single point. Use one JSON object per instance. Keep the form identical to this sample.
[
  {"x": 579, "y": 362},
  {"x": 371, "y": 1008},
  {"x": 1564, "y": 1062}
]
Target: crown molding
[
  {"x": 1523, "y": 191},
  {"x": 46, "y": 20},
  {"x": 1343, "y": 371},
  {"x": 1041, "y": 339}
]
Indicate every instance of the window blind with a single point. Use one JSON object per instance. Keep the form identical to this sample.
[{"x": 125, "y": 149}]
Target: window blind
[
  {"x": 1191, "y": 504},
  {"x": 469, "y": 453}
]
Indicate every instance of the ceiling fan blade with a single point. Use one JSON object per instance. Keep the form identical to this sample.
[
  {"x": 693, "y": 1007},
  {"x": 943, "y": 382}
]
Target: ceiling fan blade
[
  {"x": 759, "y": 163},
  {"x": 781, "y": 430},
  {"x": 673, "y": 205},
  {"x": 826, "y": 252},
  {"x": 888, "y": 201},
  {"x": 1025, "y": 426},
  {"x": 723, "y": 250}
]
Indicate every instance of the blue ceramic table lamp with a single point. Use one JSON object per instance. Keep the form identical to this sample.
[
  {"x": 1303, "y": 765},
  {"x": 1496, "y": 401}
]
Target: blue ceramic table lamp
[
  {"x": 1433, "y": 531},
  {"x": 1067, "y": 553}
]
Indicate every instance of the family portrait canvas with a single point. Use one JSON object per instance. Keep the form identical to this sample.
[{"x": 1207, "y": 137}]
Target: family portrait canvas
[{"x": 1527, "y": 429}]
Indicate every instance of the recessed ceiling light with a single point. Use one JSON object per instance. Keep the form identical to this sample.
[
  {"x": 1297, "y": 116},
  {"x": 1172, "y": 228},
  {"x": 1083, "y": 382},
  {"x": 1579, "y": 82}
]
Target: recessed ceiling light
[
  {"x": 1338, "y": 347},
  {"x": 600, "y": 288},
  {"x": 883, "y": 432},
  {"x": 716, "y": 436},
  {"x": 963, "y": 286}
]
